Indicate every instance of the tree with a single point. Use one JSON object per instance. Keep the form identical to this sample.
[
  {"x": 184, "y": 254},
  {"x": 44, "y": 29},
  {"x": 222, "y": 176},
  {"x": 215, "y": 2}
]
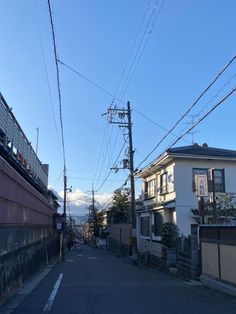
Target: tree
[
  {"x": 119, "y": 211},
  {"x": 225, "y": 208}
]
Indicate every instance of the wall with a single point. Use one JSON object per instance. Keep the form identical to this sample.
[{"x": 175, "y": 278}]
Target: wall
[
  {"x": 218, "y": 251},
  {"x": 27, "y": 257},
  {"x": 119, "y": 240},
  {"x": 20, "y": 203}
]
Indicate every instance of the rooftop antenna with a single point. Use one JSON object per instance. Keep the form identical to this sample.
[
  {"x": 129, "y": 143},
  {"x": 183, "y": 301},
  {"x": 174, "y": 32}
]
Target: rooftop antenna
[{"x": 193, "y": 119}]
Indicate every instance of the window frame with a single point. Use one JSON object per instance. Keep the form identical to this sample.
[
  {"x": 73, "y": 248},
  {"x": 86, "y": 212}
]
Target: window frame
[
  {"x": 150, "y": 187},
  {"x": 145, "y": 226},
  {"x": 222, "y": 184},
  {"x": 164, "y": 187}
]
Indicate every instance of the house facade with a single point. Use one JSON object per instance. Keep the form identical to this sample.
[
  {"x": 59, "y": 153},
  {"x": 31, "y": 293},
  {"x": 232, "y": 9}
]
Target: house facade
[{"x": 169, "y": 188}]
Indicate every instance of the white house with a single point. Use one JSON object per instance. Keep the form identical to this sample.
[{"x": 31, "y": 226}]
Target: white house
[{"x": 169, "y": 191}]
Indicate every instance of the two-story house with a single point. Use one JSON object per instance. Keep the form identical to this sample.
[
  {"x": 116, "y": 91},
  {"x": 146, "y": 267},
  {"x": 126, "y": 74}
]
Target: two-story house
[{"x": 168, "y": 187}]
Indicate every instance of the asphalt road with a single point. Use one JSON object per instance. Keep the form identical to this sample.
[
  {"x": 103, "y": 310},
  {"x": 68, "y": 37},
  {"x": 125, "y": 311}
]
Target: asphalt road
[{"x": 93, "y": 281}]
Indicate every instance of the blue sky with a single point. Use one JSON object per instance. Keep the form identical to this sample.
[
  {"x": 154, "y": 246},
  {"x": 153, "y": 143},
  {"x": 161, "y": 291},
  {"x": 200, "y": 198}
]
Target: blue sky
[{"x": 189, "y": 44}]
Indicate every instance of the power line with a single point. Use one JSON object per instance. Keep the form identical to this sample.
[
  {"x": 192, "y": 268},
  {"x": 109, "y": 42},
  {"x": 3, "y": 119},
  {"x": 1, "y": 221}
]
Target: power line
[
  {"x": 154, "y": 122},
  {"x": 191, "y": 107},
  {"x": 48, "y": 85},
  {"x": 138, "y": 58},
  {"x": 206, "y": 115},
  {"x": 101, "y": 185},
  {"x": 87, "y": 79},
  {"x": 100, "y": 152},
  {"x": 132, "y": 48},
  {"x": 58, "y": 83}
]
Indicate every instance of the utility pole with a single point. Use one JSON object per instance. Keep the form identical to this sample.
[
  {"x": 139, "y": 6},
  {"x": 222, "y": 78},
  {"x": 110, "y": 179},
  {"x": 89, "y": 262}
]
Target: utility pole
[
  {"x": 63, "y": 232},
  {"x": 122, "y": 114},
  {"x": 94, "y": 217},
  {"x": 65, "y": 189},
  {"x": 131, "y": 168},
  {"x": 214, "y": 216}
]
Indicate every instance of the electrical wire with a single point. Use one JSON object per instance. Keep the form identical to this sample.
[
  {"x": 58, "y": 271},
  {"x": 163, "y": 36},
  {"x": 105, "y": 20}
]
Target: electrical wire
[
  {"x": 104, "y": 181},
  {"x": 137, "y": 57},
  {"x": 206, "y": 115},
  {"x": 190, "y": 108},
  {"x": 87, "y": 79},
  {"x": 48, "y": 85},
  {"x": 157, "y": 124},
  {"x": 132, "y": 48},
  {"x": 58, "y": 84}
]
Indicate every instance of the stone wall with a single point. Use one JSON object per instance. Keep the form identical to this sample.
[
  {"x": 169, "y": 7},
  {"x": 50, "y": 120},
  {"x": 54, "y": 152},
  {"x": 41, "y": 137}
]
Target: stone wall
[{"x": 23, "y": 259}]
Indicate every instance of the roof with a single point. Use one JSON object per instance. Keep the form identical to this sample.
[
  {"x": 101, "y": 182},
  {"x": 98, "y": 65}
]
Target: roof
[
  {"x": 204, "y": 150},
  {"x": 192, "y": 151}
]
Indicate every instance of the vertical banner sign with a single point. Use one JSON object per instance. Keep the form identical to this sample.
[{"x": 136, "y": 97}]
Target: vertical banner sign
[{"x": 201, "y": 185}]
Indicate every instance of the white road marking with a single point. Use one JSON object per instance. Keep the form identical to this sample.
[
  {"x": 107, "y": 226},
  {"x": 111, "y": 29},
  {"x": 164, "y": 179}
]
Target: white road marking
[
  {"x": 53, "y": 294},
  {"x": 80, "y": 255},
  {"x": 91, "y": 257},
  {"x": 69, "y": 260}
]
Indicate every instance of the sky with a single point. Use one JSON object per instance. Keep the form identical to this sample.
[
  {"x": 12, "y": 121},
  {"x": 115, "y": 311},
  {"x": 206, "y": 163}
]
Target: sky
[{"x": 169, "y": 50}]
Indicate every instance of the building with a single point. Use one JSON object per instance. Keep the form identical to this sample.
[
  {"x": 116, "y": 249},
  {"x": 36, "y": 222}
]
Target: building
[{"x": 169, "y": 188}]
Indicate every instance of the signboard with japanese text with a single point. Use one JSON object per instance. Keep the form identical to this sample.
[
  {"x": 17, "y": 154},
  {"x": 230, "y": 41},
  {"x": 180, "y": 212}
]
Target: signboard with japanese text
[{"x": 201, "y": 185}]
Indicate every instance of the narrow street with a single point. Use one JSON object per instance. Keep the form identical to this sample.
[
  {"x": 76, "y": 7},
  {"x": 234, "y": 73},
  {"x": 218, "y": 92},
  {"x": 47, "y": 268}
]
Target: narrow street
[{"x": 93, "y": 281}]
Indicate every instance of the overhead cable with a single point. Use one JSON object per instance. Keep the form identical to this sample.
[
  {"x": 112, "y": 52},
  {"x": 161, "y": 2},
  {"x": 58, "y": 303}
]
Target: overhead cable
[
  {"x": 58, "y": 83},
  {"x": 101, "y": 185},
  {"x": 190, "y": 108}
]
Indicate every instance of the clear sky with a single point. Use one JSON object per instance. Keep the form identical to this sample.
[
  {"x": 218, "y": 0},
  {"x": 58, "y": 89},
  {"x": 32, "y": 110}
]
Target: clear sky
[{"x": 186, "y": 46}]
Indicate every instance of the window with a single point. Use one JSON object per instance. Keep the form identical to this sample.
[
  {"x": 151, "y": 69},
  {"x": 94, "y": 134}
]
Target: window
[
  {"x": 163, "y": 183},
  {"x": 158, "y": 221},
  {"x": 219, "y": 180},
  {"x": 145, "y": 226},
  {"x": 150, "y": 188}
]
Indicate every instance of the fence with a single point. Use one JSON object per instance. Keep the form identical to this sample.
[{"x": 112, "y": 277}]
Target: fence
[{"x": 218, "y": 251}]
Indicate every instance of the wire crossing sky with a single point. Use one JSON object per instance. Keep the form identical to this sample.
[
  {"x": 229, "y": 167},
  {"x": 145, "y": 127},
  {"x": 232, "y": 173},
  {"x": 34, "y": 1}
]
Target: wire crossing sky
[{"x": 159, "y": 55}]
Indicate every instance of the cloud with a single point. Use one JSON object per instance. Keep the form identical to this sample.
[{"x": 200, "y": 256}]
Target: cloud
[{"x": 79, "y": 202}]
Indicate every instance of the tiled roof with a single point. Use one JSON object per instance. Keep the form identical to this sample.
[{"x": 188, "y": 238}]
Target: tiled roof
[{"x": 204, "y": 150}]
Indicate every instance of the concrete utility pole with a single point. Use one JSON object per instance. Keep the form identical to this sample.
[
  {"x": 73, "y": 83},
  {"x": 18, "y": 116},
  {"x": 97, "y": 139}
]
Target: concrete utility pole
[
  {"x": 65, "y": 189},
  {"x": 122, "y": 113},
  {"x": 132, "y": 187},
  {"x": 214, "y": 216}
]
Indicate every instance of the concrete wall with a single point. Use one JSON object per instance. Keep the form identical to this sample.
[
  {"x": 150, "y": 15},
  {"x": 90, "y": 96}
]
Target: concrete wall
[
  {"x": 119, "y": 239},
  {"x": 20, "y": 203}
]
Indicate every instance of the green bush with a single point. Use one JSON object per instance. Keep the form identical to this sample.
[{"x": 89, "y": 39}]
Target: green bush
[{"x": 169, "y": 234}]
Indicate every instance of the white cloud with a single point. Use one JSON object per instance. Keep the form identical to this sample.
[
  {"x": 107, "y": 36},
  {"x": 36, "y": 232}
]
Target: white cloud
[{"x": 79, "y": 201}]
